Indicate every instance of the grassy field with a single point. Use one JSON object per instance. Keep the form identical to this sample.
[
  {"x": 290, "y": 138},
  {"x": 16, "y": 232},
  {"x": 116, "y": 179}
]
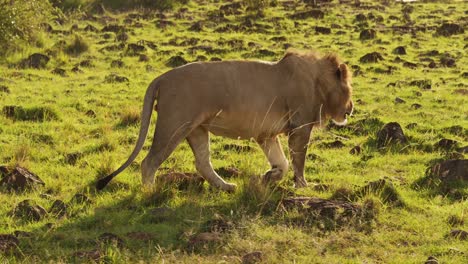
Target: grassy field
[{"x": 77, "y": 119}]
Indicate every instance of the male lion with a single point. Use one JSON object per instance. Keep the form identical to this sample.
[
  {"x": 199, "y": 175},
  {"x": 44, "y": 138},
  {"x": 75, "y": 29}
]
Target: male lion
[{"x": 243, "y": 99}]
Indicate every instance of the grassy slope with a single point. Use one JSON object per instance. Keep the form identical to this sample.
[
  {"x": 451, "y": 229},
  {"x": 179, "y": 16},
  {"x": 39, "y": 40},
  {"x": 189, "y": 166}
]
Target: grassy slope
[{"x": 409, "y": 234}]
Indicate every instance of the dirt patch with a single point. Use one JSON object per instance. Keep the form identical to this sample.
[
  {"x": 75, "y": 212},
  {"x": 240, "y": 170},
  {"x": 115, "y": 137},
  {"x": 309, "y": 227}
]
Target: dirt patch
[
  {"x": 94, "y": 255},
  {"x": 391, "y": 133},
  {"x": 382, "y": 188},
  {"x": 142, "y": 236},
  {"x": 446, "y": 144},
  {"x": 58, "y": 209},
  {"x": 400, "y": 50},
  {"x": 111, "y": 239},
  {"x": 323, "y": 30}
]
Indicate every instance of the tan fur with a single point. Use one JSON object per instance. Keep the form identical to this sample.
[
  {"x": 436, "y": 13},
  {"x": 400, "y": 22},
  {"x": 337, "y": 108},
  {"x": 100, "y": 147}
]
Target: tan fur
[{"x": 243, "y": 99}]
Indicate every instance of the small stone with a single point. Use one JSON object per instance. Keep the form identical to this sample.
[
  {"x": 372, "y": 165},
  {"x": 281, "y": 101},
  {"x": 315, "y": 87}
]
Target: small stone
[
  {"x": 398, "y": 100},
  {"x": 371, "y": 57},
  {"x": 368, "y": 34},
  {"x": 356, "y": 150},
  {"x": 8, "y": 243},
  {"x": 416, "y": 106},
  {"x": 399, "y": 50},
  {"x": 176, "y": 61}
]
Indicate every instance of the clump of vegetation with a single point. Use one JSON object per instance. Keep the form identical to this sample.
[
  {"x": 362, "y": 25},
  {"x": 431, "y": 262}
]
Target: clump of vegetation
[
  {"x": 36, "y": 114},
  {"x": 20, "y": 20},
  {"x": 77, "y": 46},
  {"x": 130, "y": 117}
]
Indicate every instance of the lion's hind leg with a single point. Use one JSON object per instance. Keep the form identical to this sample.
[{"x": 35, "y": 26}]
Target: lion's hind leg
[
  {"x": 166, "y": 138},
  {"x": 199, "y": 141}
]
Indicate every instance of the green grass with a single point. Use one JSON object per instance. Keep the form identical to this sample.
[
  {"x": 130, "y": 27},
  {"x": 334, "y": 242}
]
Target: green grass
[{"x": 53, "y": 133}]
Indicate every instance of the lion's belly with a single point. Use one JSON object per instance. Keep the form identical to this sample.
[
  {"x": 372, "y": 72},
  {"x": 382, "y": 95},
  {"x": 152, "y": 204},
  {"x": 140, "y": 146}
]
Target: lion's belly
[{"x": 246, "y": 125}]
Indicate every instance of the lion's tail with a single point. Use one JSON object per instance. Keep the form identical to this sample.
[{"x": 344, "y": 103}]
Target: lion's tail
[{"x": 148, "y": 103}]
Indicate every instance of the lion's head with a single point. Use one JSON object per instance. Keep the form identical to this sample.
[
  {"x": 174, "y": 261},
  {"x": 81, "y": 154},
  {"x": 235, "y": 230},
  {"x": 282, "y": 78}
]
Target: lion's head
[{"x": 335, "y": 84}]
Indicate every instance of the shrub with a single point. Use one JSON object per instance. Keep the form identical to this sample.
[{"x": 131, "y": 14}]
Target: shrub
[
  {"x": 77, "y": 46},
  {"x": 20, "y": 20}
]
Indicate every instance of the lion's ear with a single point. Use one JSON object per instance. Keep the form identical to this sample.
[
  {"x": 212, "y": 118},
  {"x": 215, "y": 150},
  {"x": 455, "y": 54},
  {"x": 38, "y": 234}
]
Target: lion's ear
[{"x": 342, "y": 73}]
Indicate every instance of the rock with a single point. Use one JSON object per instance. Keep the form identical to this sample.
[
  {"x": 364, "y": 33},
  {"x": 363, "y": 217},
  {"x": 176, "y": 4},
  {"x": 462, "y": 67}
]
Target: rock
[
  {"x": 8, "y": 244},
  {"x": 94, "y": 255},
  {"x": 143, "y": 58},
  {"x": 410, "y": 65},
  {"x": 432, "y": 65},
  {"x": 19, "y": 178},
  {"x": 416, "y": 106},
  {"x": 360, "y": 17},
  {"x": 202, "y": 240},
  {"x": 114, "y": 78},
  {"x": 133, "y": 48},
  {"x": 449, "y": 170},
  {"x": 315, "y": 13},
  {"x": 76, "y": 69},
  {"x": 265, "y": 52},
  {"x": 400, "y": 50},
  {"x": 371, "y": 57},
  {"x": 117, "y": 64},
  {"x": 28, "y": 211},
  {"x": 367, "y": 34},
  {"x": 459, "y": 234},
  {"x": 446, "y": 144},
  {"x": 90, "y": 28},
  {"x": 423, "y": 84},
  {"x": 449, "y": 29},
  {"x": 237, "y": 148},
  {"x": 322, "y": 208},
  {"x": 59, "y": 71},
  {"x": 197, "y": 27},
  {"x": 391, "y": 133},
  {"x": 218, "y": 225},
  {"x": 182, "y": 180},
  {"x": 58, "y": 208},
  {"x": 113, "y": 28},
  {"x": 161, "y": 214},
  {"x": 36, "y": 61},
  {"x": 111, "y": 239},
  {"x": 72, "y": 158},
  {"x": 86, "y": 64},
  {"x": 176, "y": 61},
  {"x": 356, "y": 150},
  {"x": 80, "y": 198},
  {"x": 323, "y": 30},
  {"x": 4, "y": 89},
  {"x": 334, "y": 144},
  {"x": 382, "y": 188},
  {"x": 231, "y": 9},
  {"x": 19, "y": 233},
  {"x": 228, "y": 172},
  {"x": 122, "y": 36},
  {"x": 252, "y": 257},
  {"x": 142, "y": 236},
  {"x": 431, "y": 260},
  {"x": 448, "y": 62},
  {"x": 398, "y": 100}
]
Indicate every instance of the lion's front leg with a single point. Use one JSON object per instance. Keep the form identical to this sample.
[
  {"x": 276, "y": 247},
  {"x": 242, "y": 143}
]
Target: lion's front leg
[
  {"x": 298, "y": 141},
  {"x": 279, "y": 164}
]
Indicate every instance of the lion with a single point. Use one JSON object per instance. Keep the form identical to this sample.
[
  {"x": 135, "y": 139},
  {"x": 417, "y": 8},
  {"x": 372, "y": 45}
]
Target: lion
[{"x": 243, "y": 100}]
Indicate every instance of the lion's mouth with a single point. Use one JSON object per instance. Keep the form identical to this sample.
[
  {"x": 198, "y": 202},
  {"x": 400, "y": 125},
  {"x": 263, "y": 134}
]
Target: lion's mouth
[{"x": 342, "y": 123}]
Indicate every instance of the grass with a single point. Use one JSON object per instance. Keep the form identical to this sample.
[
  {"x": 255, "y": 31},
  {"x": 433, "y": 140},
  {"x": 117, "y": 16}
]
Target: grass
[{"x": 51, "y": 132}]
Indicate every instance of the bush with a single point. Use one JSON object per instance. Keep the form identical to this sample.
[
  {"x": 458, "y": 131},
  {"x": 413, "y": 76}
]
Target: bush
[
  {"x": 20, "y": 20},
  {"x": 77, "y": 46}
]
